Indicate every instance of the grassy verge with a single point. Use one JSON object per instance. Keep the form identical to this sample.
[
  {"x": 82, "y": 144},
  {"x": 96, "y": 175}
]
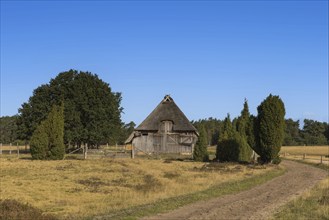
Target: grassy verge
[
  {"x": 313, "y": 204},
  {"x": 317, "y": 165},
  {"x": 309, "y": 150},
  {"x": 175, "y": 202}
]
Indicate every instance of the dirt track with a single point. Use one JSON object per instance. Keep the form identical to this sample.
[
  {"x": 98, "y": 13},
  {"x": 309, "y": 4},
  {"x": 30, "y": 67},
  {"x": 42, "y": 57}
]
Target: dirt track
[{"x": 257, "y": 203}]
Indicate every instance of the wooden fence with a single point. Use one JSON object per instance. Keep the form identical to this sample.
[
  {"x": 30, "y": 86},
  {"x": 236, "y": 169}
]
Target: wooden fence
[
  {"x": 12, "y": 149},
  {"x": 322, "y": 159},
  {"x": 117, "y": 151}
]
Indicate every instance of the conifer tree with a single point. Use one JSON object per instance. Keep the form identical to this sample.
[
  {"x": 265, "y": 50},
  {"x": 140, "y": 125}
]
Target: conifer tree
[
  {"x": 269, "y": 127},
  {"x": 227, "y": 147},
  {"x": 233, "y": 144},
  {"x": 243, "y": 126},
  {"x": 47, "y": 141},
  {"x": 200, "y": 152},
  {"x": 227, "y": 132},
  {"x": 243, "y": 119},
  {"x": 56, "y": 133},
  {"x": 39, "y": 142}
]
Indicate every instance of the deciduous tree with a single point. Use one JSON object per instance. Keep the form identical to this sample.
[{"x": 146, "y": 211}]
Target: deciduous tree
[{"x": 92, "y": 111}]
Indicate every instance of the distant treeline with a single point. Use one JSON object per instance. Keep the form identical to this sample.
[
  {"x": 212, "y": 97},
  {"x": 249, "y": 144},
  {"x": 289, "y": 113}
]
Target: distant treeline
[
  {"x": 92, "y": 115},
  {"x": 312, "y": 133}
]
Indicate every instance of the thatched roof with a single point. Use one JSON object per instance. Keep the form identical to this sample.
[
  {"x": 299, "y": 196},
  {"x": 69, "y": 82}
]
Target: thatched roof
[{"x": 167, "y": 110}]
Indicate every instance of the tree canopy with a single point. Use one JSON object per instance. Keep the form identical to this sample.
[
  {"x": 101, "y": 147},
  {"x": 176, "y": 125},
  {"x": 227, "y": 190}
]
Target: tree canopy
[
  {"x": 8, "y": 129},
  {"x": 315, "y": 133},
  {"x": 92, "y": 111}
]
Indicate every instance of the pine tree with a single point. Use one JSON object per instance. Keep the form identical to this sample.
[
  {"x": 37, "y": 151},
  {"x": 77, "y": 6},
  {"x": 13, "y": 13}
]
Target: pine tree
[
  {"x": 269, "y": 127},
  {"x": 200, "y": 152}
]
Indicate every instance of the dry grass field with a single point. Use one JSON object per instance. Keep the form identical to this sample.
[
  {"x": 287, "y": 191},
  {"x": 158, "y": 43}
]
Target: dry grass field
[
  {"x": 85, "y": 188},
  {"x": 13, "y": 147},
  {"x": 310, "y": 154},
  {"x": 309, "y": 150}
]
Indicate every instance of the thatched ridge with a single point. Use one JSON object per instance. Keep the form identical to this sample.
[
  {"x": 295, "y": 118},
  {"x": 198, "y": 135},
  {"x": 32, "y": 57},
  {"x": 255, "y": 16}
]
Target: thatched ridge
[{"x": 167, "y": 110}]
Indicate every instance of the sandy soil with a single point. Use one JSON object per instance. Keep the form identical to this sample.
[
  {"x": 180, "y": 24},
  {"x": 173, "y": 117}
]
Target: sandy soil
[{"x": 260, "y": 202}]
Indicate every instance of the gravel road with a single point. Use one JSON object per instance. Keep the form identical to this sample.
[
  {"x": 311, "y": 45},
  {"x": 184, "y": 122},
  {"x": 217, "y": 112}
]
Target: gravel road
[{"x": 260, "y": 202}]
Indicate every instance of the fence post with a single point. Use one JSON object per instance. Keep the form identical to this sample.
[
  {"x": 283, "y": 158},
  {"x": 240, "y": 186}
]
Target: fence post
[
  {"x": 0, "y": 148},
  {"x": 10, "y": 148},
  {"x": 304, "y": 156},
  {"x": 85, "y": 151},
  {"x": 321, "y": 159},
  {"x": 17, "y": 149},
  {"x": 132, "y": 151}
]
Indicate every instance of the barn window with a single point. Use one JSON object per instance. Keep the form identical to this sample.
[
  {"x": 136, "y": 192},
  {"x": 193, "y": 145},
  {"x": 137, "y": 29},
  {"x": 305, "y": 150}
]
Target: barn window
[{"x": 166, "y": 126}]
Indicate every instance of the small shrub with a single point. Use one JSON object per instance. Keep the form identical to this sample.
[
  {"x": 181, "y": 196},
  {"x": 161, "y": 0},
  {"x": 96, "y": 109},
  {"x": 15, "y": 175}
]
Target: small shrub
[
  {"x": 171, "y": 175},
  {"x": 324, "y": 200},
  {"x": 228, "y": 150},
  {"x": 276, "y": 160},
  {"x": 151, "y": 184},
  {"x": 11, "y": 209}
]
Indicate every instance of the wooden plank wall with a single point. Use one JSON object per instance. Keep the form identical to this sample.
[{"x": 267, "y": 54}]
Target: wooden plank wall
[{"x": 164, "y": 143}]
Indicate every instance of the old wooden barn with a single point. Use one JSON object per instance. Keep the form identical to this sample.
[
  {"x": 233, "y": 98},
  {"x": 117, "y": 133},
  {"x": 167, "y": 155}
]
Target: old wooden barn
[{"x": 165, "y": 130}]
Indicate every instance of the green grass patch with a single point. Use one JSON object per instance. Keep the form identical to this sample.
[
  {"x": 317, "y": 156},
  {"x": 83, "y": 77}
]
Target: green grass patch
[{"x": 173, "y": 203}]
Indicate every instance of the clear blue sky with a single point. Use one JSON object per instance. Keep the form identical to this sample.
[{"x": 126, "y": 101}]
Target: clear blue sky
[{"x": 207, "y": 55}]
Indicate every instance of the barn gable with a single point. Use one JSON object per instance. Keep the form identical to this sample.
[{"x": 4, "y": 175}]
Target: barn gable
[
  {"x": 167, "y": 110},
  {"x": 165, "y": 130}
]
